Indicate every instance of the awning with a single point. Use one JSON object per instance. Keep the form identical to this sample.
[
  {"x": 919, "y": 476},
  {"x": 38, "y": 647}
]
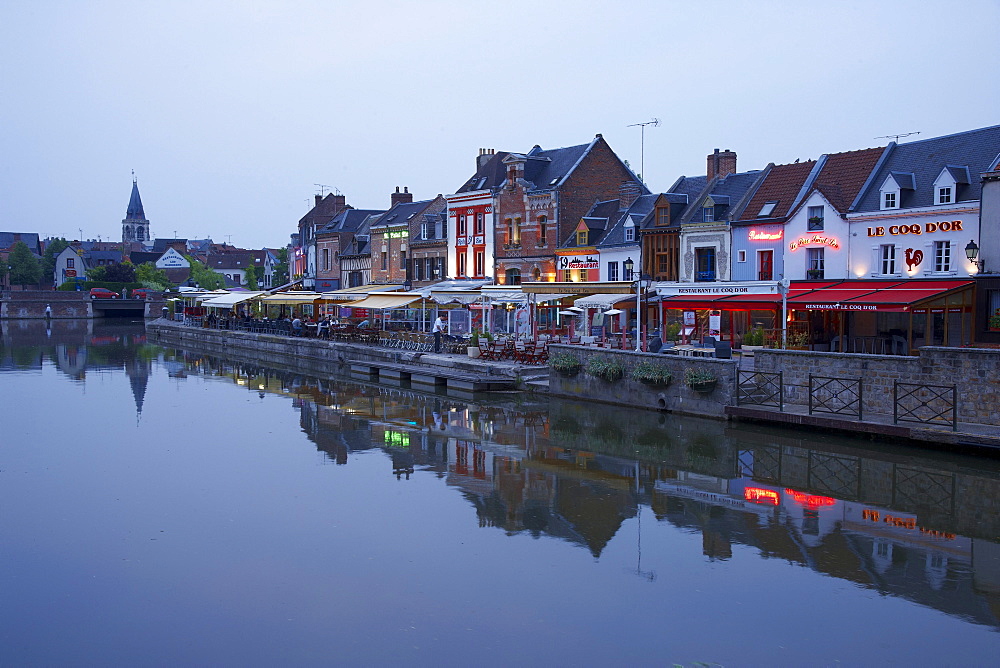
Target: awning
[
  {"x": 291, "y": 298},
  {"x": 230, "y": 300},
  {"x": 505, "y": 296},
  {"x": 876, "y": 295},
  {"x": 358, "y": 292},
  {"x": 539, "y": 298},
  {"x": 741, "y": 302},
  {"x": 455, "y": 296},
  {"x": 602, "y": 301},
  {"x": 385, "y": 301}
]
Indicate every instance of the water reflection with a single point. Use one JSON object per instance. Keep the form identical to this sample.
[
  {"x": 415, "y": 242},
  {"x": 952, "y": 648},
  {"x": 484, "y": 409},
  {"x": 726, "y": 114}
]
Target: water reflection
[{"x": 912, "y": 525}]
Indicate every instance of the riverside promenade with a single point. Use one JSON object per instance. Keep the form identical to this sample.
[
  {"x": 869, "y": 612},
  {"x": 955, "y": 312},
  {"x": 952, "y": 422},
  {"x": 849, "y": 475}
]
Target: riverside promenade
[{"x": 950, "y": 400}]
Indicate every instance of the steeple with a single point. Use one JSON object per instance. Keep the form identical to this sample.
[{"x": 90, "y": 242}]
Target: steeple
[{"x": 135, "y": 227}]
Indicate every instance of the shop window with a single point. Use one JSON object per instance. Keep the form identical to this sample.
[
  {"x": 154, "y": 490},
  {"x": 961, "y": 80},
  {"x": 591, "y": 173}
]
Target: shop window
[
  {"x": 816, "y": 218},
  {"x": 568, "y": 275},
  {"x": 942, "y": 256},
  {"x": 887, "y": 259}
]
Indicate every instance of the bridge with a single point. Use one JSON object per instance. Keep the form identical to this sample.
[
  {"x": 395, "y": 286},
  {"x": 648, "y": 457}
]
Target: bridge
[{"x": 118, "y": 307}]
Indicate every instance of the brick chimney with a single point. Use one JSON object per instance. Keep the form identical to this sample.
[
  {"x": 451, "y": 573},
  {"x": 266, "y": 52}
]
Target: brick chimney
[
  {"x": 628, "y": 192},
  {"x": 484, "y": 156},
  {"x": 338, "y": 203},
  {"x": 404, "y": 197},
  {"x": 319, "y": 199},
  {"x": 721, "y": 164}
]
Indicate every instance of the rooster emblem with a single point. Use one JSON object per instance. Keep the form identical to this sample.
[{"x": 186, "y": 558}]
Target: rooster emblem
[{"x": 913, "y": 258}]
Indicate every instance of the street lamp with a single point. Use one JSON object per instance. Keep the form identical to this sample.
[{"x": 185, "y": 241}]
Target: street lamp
[
  {"x": 972, "y": 252},
  {"x": 641, "y": 285}
]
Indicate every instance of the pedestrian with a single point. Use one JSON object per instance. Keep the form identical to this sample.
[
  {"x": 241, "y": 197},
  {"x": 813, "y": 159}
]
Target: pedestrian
[
  {"x": 438, "y": 330},
  {"x": 48, "y": 311},
  {"x": 297, "y": 326}
]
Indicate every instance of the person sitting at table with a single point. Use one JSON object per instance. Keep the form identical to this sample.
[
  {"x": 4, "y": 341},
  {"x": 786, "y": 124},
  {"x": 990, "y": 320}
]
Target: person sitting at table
[
  {"x": 297, "y": 326},
  {"x": 364, "y": 324},
  {"x": 323, "y": 329}
]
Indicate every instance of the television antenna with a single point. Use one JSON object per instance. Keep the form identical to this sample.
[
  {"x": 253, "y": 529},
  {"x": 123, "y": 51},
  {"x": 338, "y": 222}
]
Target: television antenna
[
  {"x": 323, "y": 188},
  {"x": 897, "y": 137},
  {"x": 642, "y": 144}
]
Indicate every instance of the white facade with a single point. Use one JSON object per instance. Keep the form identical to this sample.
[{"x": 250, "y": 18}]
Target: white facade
[
  {"x": 171, "y": 259},
  {"x": 464, "y": 212},
  {"x": 815, "y": 249},
  {"x": 69, "y": 267},
  {"x": 699, "y": 238}
]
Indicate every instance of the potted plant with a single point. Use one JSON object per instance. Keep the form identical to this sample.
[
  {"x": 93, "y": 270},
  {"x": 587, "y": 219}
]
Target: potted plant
[
  {"x": 814, "y": 274},
  {"x": 605, "y": 369},
  {"x": 565, "y": 364},
  {"x": 797, "y": 340},
  {"x": 473, "y": 349},
  {"x": 700, "y": 379},
  {"x": 652, "y": 374},
  {"x": 753, "y": 339},
  {"x": 671, "y": 332},
  {"x": 994, "y": 323}
]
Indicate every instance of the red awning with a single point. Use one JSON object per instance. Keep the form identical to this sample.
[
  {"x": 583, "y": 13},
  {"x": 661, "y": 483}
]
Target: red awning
[{"x": 874, "y": 295}]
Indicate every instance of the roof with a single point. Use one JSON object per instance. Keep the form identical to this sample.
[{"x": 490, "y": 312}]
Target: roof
[
  {"x": 781, "y": 185},
  {"x": 134, "y": 211},
  {"x": 925, "y": 159},
  {"x": 30, "y": 239},
  {"x": 160, "y": 245},
  {"x": 138, "y": 258},
  {"x": 489, "y": 175},
  {"x": 400, "y": 214},
  {"x": 728, "y": 190},
  {"x": 844, "y": 174},
  {"x": 238, "y": 260},
  {"x": 640, "y": 210},
  {"x": 348, "y": 220}
]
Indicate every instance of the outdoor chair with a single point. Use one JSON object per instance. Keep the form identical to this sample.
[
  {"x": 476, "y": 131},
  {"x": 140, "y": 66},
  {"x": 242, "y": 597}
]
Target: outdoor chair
[{"x": 723, "y": 350}]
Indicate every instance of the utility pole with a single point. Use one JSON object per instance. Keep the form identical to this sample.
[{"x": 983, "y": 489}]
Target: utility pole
[{"x": 642, "y": 145}]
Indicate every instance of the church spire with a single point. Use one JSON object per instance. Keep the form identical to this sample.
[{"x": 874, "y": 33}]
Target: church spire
[{"x": 135, "y": 227}]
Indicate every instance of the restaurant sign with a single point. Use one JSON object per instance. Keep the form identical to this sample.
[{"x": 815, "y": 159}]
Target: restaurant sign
[
  {"x": 841, "y": 307},
  {"x": 813, "y": 241},
  {"x": 717, "y": 289},
  {"x": 578, "y": 262}
]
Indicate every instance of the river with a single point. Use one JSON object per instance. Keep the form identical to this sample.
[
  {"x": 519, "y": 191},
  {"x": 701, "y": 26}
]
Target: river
[{"x": 163, "y": 507}]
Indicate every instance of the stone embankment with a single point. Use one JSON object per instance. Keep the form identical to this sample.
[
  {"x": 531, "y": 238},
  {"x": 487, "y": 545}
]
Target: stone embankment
[{"x": 31, "y": 305}]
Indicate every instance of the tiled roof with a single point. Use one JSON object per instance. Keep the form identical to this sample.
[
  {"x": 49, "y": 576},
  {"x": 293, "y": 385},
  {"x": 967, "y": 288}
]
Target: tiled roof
[
  {"x": 732, "y": 186},
  {"x": 640, "y": 210},
  {"x": 844, "y": 174},
  {"x": 490, "y": 175},
  {"x": 348, "y": 220},
  {"x": 782, "y": 185},
  {"x": 926, "y": 159},
  {"x": 400, "y": 214}
]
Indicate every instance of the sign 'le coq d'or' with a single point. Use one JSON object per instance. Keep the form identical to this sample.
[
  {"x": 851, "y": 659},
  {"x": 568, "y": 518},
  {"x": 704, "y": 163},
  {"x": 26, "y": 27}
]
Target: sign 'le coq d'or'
[{"x": 916, "y": 228}]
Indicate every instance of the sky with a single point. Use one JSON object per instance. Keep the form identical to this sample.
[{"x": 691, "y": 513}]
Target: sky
[{"x": 230, "y": 113}]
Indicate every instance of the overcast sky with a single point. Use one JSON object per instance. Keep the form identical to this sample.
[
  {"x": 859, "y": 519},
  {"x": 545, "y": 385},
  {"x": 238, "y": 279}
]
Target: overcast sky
[{"x": 230, "y": 112}]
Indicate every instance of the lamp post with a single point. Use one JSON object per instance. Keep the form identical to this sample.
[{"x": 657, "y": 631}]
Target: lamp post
[
  {"x": 641, "y": 285},
  {"x": 972, "y": 252}
]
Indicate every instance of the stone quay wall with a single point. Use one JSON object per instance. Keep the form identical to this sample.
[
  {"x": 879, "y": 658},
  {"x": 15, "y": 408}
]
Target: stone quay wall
[
  {"x": 975, "y": 372},
  {"x": 30, "y": 304},
  {"x": 676, "y": 397}
]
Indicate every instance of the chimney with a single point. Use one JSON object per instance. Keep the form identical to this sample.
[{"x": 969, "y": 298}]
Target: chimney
[
  {"x": 319, "y": 198},
  {"x": 339, "y": 203},
  {"x": 404, "y": 197},
  {"x": 721, "y": 164},
  {"x": 484, "y": 156},
  {"x": 628, "y": 192}
]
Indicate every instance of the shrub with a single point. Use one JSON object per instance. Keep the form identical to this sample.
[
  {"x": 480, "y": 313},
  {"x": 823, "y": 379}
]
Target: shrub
[
  {"x": 698, "y": 376},
  {"x": 606, "y": 369},
  {"x": 754, "y": 337},
  {"x": 651, "y": 373},
  {"x": 565, "y": 363}
]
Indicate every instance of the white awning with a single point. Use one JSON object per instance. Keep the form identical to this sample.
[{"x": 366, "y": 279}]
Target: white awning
[
  {"x": 602, "y": 301},
  {"x": 229, "y": 300},
  {"x": 291, "y": 298},
  {"x": 506, "y": 296},
  {"x": 539, "y": 298},
  {"x": 456, "y": 296},
  {"x": 358, "y": 292},
  {"x": 386, "y": 301}
]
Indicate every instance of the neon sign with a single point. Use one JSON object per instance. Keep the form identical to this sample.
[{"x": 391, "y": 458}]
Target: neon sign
[
  {"x": 757, "y": 235},
  {"x": 815, "y": 239},
  {"x": 400, "y": 234},
  {"x": 810, "y": 500},
  {"x": 929, "y": 228},
  {"x": 761, "y": 495}
]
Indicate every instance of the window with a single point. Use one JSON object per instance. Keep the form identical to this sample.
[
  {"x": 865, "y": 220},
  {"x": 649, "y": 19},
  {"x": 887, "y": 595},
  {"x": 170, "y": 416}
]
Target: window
[
  {"x": 708, "y": 214},
  {"x": 418, "y": 270},
  {"x": 536, "y": 274},
  {"x": 480, "y": 263},
  {"x": 543, "y": 230},
  {"x": 385, "y": 260},
  {"x": 480, "y": 223},
  {"x": 944, "y": 195},
  {"x": 816, "y": 218},
  {"x": 326, "y": 259},
  {"x": 513, "y": 277},
  {"x": 509, "y": 224},
  {"x": 581, "y": 238},
  {"x": 517, "y": 231},
  {"x": 69, "y": 263},
  {"x": 767, "y": 209},
  {"x": 583, "y": 275},
  {"x": 462, "y": 258},
  {"x": 663, "y": 215},
  {"x": 942, "y": 256},
  {"x": 568, "y": 276},
  {"x": 765, "y": 265},
  {"x": 815, "y": 263},
  {"x": 426, "y": 230},
  {"x": 630, "y": 233},
  {"x": 887, "y": 258},
  {"x": 741, "y": 256},
  {"x": 705, "y": 261},
  {"x": 461, "y": 226},
  {"x": 402, "y": 259},
  {"x": 889, "y": 201},
  {"x": 612, "y": 271}
]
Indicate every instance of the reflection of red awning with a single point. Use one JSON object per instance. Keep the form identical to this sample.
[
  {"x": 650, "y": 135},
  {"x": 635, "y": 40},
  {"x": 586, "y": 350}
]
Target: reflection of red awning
[{"x": 847, "y": 295}]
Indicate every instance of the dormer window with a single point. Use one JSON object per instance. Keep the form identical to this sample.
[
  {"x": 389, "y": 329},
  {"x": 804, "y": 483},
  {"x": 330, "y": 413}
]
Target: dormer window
[
  {"x": 890, "y": 194},
  {"x": 581, "y": 238},
  {"x": 948, "y": 182},
  {"x": 890, "y": 200},
  {"x": 629, "y": 232},
  {"x": 944, "y": 195},
  {"x": 708, "y": 214},
  {"x": 767, "y": 209}
]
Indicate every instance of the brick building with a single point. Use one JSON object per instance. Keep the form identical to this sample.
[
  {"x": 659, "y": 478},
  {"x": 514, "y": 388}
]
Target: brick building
[
  {"x": 333, "y": 239},
  {"x": 543, "y": 198},
  {"x": 303, "y": 260},
  {"x": 393, "y": 235}
]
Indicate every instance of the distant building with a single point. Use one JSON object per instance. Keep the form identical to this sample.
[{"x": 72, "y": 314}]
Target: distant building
[{"x": 135, "y": 227}]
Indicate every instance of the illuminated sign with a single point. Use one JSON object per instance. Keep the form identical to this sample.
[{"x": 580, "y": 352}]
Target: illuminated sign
[
  {"x": 71, "y": 273},
  {"x": 909, "y": 523},
  {"x": 397, "y": 439},
  {"x": 586, "y": 262},
  {"x": 841, "y": 307},
  {"x": 815, "y": 239},
  {"x": 810, "y": 500},
  {"x": 915, "y": 228},
  {"x": 398, "y": 234},
  {"x": 761, "y": 495},
  {"x": 757, "y": 235}
]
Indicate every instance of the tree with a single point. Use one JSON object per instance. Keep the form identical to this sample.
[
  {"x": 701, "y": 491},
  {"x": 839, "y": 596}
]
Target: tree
[
  {"x": 52, "y": 250},
  {"x": 25, "y": 269},
  {"x": 204, "y": 277},
  {"x": 151, "y": 277},
  {"x": 121, "y": 272},
  {"x": 97, "y": 273},
  {"x": 281, "y": 268},
  {"x": 251, "y": 277}
]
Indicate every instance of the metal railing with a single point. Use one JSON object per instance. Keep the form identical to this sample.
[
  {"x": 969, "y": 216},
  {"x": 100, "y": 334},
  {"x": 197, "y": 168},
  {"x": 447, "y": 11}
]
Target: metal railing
[
  {"x": 925, "y": 404},
  {"x": 760, "y": 388},
  {"x": 839, "y": 396}
]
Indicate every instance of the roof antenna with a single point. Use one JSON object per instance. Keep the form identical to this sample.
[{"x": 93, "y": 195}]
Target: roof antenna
[
  {"x": 322, "y": 189},
  {"x": 642, "y": 144},
  {"x": 896, "y": 137}
]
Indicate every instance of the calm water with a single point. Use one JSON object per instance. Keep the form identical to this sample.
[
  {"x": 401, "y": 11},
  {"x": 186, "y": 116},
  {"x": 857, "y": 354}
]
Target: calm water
[{"x": 160, "y": 507}]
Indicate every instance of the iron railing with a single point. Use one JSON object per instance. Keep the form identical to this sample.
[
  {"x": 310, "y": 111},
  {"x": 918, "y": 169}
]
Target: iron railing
[
  {"x": 925, "y": 404},
  {"x": 760, "y": 388},
  {"x": 839, "y": 396}
]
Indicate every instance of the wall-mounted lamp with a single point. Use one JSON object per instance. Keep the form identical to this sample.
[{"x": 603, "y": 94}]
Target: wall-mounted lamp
[{"x": 972, "y": 252}]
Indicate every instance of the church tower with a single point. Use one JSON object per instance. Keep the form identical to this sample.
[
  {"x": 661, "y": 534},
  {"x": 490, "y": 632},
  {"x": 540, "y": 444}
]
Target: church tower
[{"x": 135, "y": 227}]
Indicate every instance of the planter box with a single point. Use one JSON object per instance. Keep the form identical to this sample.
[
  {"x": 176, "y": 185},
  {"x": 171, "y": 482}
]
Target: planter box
[
  {"x": 750, "y": 350},
  {"x": 473, "y": 352},
  {"x": 704, "y": 388}
]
